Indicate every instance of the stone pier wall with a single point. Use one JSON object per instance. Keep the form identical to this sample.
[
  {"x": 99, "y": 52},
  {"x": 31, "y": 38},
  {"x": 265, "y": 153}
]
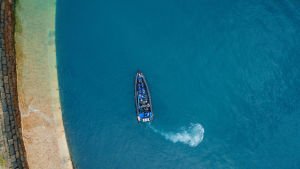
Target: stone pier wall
[{"x": 12, "y": 151}]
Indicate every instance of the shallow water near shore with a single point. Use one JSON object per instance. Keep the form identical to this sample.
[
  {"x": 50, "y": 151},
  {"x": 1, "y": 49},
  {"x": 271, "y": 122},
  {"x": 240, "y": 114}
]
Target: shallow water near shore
[
  {"x": 37, "y": 85},
  {"x": 224, "y": 80}
]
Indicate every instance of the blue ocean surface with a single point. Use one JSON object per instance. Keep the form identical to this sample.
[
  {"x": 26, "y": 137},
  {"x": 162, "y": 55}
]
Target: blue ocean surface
[{"x": 224, "y": 78}]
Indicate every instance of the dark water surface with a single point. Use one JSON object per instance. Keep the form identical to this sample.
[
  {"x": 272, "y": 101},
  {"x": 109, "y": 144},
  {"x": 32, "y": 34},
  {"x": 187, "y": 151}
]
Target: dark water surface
[{"x": 230, "y": 68}]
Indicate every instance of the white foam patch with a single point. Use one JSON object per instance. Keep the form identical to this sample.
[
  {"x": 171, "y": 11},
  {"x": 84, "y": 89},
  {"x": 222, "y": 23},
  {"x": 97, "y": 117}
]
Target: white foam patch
[{"x": 192, "y": 136}]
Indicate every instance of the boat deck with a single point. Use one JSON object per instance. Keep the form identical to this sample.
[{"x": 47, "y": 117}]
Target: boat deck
[{"x": 143, "y": 99}]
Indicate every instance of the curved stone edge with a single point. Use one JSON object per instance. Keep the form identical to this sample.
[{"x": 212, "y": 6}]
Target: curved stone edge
[
  {"x": 38, "y": 93},
  {"x": 11, "y": 146}
]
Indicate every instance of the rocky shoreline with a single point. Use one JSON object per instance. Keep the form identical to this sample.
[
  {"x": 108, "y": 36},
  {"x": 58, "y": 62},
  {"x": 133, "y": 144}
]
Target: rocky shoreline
[{"x": 12, "y": 150}]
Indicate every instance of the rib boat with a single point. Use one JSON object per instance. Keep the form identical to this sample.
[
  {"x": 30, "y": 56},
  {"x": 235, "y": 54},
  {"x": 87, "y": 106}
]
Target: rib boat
[{"x": 142, "y": 99}]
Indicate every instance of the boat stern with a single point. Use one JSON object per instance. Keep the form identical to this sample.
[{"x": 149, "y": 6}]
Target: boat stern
[{"x": 145, "y": 117}]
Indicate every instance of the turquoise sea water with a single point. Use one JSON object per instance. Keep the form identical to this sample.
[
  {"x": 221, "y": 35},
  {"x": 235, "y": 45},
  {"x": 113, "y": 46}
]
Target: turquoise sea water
[{"x": 227, "y": 72}]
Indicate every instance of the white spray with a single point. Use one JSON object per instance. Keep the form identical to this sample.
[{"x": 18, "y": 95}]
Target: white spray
[{"x": 193, "y": 135}]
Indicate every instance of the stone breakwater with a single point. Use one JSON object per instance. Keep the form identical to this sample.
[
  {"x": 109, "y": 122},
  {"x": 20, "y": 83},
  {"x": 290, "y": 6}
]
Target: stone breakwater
[
  {"x": 12, "y": 151},
  {"x": 31, "y": 127},
  {"x": 38, "y": 93}
]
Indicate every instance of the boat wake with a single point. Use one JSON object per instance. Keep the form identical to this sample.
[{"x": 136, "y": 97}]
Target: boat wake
[{"x": 192, "y": 136}]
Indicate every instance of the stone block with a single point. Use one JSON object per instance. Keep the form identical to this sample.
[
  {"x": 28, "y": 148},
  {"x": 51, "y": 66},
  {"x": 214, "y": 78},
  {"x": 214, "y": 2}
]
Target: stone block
[
  {"x": 14, "y": 165},
  {"x": 11, "y": 150},
  {"x": 19, "y": 162},
  {"x": 16, "y": 146},
  {"x": 5, "y": 79},
  {"x": 4, "y": 66},
  {"x": 8, "y": 104},
  {"x": 6, "y": 121},
  {"x": 13, "y": 158},
  {"x": 13, "y": 123},
  {"x": 10, "y": 141},
  {"x": 6, "y": 88},
  {"x": 9, "y": 135},
  {"x": 3, "y": 96},
  {"x": 3, "y": 100},
  {"x": 7, "y": 128},
  {"x": 8, "y": 96},
  {"x": 10, "y": 110},
  {"x": 3, "y": 61},
  {"x": 17, "y": 154},
  {"x": 6, "y": 118},
  {"x": 4, "y": 72}
]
